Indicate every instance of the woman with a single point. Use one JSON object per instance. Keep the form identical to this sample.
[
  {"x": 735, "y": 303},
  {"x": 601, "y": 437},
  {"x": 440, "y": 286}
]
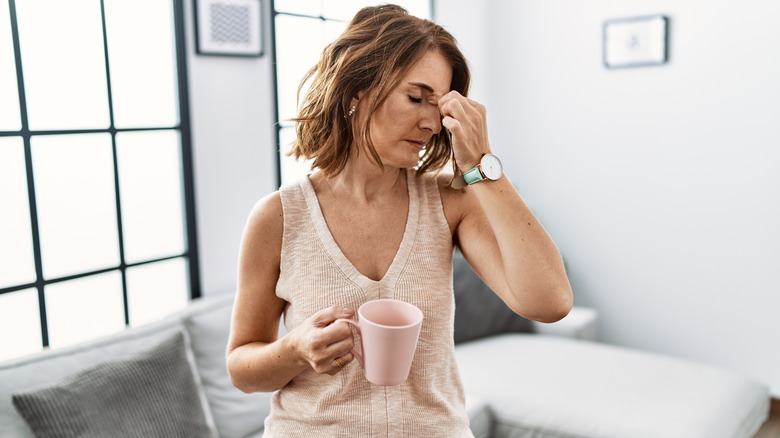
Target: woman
[{"x": 385, "y": 111}]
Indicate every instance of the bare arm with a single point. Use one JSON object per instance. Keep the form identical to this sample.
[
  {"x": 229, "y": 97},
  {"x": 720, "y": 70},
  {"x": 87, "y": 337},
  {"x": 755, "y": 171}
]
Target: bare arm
[
  {"x": 256, "y": 359},
  {"x": 497, "y": 233}
]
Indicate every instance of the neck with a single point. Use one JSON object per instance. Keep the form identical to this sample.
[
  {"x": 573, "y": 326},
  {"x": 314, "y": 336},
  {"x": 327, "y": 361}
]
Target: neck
[{"x": 364, "y": 182}]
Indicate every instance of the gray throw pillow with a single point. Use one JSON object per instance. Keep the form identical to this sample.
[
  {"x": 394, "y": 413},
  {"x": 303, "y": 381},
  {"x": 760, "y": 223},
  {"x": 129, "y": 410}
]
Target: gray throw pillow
[
  {"x": 236, "y": 414},
  {"x": 479, "y": 312},
  {"x": 152, "y": 394}
]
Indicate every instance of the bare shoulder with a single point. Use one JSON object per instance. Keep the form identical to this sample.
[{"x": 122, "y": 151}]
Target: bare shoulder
[
  {"x": 267, "y": 210},
  {"x": 257, "y": 309},
  {"x": 265, "y": 226},
  {"x": 260, "y": 252}
]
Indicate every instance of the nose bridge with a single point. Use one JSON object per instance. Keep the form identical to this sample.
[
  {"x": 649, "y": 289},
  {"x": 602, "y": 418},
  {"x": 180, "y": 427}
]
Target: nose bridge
[{"x": 431, "y": 119}]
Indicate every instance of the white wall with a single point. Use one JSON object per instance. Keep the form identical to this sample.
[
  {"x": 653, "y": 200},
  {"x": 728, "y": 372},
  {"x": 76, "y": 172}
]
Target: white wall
[
  {"x": 661, "y": 185},
  {"x": 234, "y": 142}
]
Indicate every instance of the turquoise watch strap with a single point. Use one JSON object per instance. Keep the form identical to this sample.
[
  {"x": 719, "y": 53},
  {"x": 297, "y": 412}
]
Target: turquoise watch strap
[{"x": 473, "y": 176}]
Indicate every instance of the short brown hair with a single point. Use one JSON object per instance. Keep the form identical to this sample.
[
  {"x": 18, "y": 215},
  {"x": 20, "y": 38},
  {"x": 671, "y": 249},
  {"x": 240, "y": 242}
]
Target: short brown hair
[{"x": 379, "y": 46}]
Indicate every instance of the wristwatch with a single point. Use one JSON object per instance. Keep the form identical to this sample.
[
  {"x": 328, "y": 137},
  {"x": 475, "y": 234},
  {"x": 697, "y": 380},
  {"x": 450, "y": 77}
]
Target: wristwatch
[{"x": 489, "y": 167}]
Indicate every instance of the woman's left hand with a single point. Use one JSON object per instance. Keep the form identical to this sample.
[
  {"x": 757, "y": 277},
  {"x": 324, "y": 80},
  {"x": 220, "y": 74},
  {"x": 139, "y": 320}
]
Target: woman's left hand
[{"x": 466, "y": 120}]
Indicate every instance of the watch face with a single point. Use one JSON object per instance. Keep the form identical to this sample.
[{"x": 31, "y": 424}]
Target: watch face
[{"x": 491, "y": 167}]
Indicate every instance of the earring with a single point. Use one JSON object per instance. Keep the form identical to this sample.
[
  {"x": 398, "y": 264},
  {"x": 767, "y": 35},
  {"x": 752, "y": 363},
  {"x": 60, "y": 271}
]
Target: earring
[{"x": 351, "y": 111}]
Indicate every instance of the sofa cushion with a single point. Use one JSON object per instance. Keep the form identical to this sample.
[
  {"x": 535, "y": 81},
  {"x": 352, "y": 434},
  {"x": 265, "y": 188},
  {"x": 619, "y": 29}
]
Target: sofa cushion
[
  {"x": 543, "y": 386},
  {"x": 51, "y": 366},
  {"x": 236, "y": 413},
  {"x": 151, "y": 394},
  {"x": 480, "y": 417},
  {"x": 479, "y": 312}
]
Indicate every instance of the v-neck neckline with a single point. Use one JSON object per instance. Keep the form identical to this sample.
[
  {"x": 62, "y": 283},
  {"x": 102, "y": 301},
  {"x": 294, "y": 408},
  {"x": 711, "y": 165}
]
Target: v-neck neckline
[{"x": 337, "y": 255}]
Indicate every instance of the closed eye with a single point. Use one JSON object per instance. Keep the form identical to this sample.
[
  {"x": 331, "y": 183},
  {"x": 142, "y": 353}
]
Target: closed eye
[{"x": 415, "y": 99}]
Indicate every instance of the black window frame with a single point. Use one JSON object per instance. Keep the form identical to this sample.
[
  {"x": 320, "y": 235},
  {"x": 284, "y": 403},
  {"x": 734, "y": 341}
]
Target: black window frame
[{"x": 183, "y": 128}]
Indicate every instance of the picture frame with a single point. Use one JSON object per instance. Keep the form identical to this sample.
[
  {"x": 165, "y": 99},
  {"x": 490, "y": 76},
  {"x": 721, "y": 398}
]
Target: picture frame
[
  {"x": 636, "y": 41},
  {"x": 228, "y": 27}
]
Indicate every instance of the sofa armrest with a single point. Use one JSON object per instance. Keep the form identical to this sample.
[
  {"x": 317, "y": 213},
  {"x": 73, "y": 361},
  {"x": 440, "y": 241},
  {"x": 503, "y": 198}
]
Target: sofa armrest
[{"x": 580, "y": 323}]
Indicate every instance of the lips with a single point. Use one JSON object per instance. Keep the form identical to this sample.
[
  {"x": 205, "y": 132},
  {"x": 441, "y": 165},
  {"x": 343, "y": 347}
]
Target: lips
[{"x": 418, "y": 144}]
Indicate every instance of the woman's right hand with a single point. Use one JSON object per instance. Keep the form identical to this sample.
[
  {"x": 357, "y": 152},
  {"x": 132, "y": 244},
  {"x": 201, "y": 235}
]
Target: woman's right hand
[{"x": 318, "y": 342}]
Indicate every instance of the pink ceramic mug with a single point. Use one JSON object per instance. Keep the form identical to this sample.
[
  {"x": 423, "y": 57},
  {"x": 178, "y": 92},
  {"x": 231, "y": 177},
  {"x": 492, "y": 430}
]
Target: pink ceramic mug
[{"x": 389, "y": 330}]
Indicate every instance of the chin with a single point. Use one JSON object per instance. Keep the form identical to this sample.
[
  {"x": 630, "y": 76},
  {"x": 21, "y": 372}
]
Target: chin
[
  {"x": 412, "y": 164},
  {"x": 402, "y": 164}
]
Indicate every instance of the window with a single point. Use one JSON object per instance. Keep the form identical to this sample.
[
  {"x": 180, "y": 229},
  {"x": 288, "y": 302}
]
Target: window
[
  {"x": 302, "y": 29},
  {"x": 97, "y": 223}
]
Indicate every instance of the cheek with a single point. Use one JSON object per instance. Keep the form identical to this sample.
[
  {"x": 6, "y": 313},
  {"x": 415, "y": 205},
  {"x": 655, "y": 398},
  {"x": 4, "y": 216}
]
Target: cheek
[
  {"x": 393, "y": 121},
  {"x": 402, "y": 117},
  {"x": 389, "y": 121}
]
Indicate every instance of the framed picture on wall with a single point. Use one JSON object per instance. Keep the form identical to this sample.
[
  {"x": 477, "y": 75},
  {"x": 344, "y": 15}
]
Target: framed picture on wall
[
  {"x": 228, "y": 27},
  {"x": 636, "y": 42}
]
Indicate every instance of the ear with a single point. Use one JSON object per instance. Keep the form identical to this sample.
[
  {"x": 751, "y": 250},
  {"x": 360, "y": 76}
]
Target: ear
[{"x": 358, "y": 96}]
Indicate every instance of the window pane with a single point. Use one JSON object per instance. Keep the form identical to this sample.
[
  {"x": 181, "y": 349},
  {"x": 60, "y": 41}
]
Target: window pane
[
  {"x": 292, "y": 169},
  {"x": 156, "y": 290},
  {"x": 16, "y": 255},
  {"x": 9, "y": 103},
  {"x": 63, "y": 62},
  {"x": 299, "y": 43},
  {"x": 74, "y": 185},
  {"x": 84, "y": 309},
  {"x": 418, "y": 8},
  {"x": 150, "y": 184},
  {"x": 20, "y": 324},
  {"x": 304, "y": 7},
  {"x": 142, "y": 63},
  {"x": 345, "y": 9}
]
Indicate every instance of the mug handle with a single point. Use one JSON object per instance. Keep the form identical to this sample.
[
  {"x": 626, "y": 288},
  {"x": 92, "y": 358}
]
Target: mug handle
[{"x": 357, "y": 327}]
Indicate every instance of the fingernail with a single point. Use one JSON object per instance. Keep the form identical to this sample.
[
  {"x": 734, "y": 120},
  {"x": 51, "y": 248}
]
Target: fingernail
[{"x": 346, "y": 310}]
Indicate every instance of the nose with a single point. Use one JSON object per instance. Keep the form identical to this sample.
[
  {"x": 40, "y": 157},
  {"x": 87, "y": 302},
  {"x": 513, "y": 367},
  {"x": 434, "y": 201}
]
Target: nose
[{"x": 431, "y": 119}]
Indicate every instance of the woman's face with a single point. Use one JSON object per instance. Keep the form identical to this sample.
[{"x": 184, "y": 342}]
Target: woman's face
[{"x": 410, "y": 116}]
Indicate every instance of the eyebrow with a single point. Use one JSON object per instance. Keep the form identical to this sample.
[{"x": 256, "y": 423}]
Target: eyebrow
[{"x": 422, "y": 85}]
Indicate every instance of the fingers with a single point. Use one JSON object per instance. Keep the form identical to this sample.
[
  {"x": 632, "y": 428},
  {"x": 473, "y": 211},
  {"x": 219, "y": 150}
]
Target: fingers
[
  {"x": 453, "y": 106},
  {"x": 325, "y": 317},
  {"x": 339, "y": 363},
  {"x": 453, "y": 126},
  {"x": 466, "y": 121},
  {"x": 459, "y": 113},
  {"x": 326, "y": 341},
  {"x": 324, "y": 361},
  {"x": 342, "y": 346},
  {"x": 321, "y": 341},
  {"x": 446, "y": 104}
]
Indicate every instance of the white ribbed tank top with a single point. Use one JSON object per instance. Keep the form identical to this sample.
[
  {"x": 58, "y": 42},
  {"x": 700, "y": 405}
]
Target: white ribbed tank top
[{"x": 315, "y": 274}]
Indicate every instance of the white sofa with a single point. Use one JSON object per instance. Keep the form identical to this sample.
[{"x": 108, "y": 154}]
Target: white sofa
[{"x": 556, "y": 382}]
